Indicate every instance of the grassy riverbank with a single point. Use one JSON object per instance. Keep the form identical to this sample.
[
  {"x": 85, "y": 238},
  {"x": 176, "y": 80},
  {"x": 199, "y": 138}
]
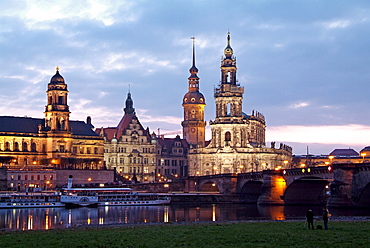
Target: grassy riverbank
[{"x": 241, "y": 234}]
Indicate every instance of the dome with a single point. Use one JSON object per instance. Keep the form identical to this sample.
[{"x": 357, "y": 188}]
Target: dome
[
  {"x": 194, "y": 98},
  {"x": 57, "y": 78}
]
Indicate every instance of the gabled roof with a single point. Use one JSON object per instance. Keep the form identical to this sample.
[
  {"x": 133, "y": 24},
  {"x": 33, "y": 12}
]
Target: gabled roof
[
  {"x": 116, "y": 132},
  {"x": 344, "y": 152},
  {"x": 13, "y": 124}
]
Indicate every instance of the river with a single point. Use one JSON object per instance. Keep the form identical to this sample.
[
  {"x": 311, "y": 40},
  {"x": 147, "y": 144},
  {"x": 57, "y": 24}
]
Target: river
[{"x": 51, "y": 218}]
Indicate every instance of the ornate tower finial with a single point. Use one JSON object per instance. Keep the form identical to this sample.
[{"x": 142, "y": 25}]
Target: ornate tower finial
[
  {"x": 57, "y": 68},
  {"x": 129, "y": 109}
]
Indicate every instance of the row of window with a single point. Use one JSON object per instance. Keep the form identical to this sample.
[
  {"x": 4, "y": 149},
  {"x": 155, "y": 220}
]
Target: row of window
[
  {"x": 31, "y": 177},
  {"x": 25, "y": 148},
  {"x": 168, "y": 162},
  {"x": 132, "y": 160}
]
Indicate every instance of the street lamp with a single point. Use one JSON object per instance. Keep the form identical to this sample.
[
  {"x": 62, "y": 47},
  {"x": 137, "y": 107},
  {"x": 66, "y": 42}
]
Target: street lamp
[
  {"x": 331, "y": 159},
  {"x": 363, "y": 154}
]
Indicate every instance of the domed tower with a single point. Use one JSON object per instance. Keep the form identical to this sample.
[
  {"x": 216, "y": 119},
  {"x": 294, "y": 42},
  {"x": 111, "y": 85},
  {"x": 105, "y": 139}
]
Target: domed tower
[
  {"x": 194, "y": 103},
  {"x": 57, "y": 111},
  {"x": 230, "y": 127},
  {"x": 229, "y": 94}
]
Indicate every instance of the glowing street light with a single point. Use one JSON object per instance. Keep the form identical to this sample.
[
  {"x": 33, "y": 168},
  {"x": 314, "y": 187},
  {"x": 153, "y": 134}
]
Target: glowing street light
[
  {"x": 331, "y": 159},
  {"x": 363, "y": 154}
]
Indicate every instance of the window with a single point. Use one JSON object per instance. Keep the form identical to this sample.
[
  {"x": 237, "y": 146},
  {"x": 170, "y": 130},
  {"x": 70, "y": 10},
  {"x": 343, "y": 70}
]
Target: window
[
  {"x": 51, "y": 177},
  {"x": 38, "y": 177},
  {"x": 7, "y": 146},
  {"x": 146, "y": 170},
  {"x": 61, "y": 148},
  {"x": 227, "y": 136},
  {"x": 26, "y": 177},
  {"x": 88, "y": 150},
  {"x": 32, "y": 177},
  {"x": 16, "y": 146},
  {"x": 19, "y": 177},
  {"x": 33, "y": 147},
  {"x": 12, "y": 177},
  {"x": 74, "y": 149},
  {"x": 95, "y": 150}
]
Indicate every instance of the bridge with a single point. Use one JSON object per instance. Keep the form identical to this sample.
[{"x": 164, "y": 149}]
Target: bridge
[{"x": 338, "y": 185}]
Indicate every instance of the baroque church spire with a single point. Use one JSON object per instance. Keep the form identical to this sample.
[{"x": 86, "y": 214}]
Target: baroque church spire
[
  {"x": 193, "y": 103},
  {"x": 193, "y": 78}
]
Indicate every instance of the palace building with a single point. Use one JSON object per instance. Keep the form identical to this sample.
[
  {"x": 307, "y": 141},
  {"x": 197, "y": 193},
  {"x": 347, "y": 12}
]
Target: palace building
[
  {"x": 129, "y": 148},
  {"x": 238, "y": 140},
  {"x": 54, "y": 140}
]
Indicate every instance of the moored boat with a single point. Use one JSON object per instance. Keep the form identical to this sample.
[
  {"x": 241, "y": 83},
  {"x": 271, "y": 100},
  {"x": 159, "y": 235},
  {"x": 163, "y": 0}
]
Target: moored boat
[
  {"x": 110, "y": 197},
  {"x": 30, "y": 200}
]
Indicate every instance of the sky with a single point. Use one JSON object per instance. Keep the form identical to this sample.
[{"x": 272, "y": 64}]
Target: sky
[{"x": 303, "y": 64}]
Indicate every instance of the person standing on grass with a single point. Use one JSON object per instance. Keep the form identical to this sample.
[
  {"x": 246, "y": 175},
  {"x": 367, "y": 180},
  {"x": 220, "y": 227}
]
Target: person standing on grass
[
  {"x": 325, "y": 217},
  {"x": 309, "y": 217}
]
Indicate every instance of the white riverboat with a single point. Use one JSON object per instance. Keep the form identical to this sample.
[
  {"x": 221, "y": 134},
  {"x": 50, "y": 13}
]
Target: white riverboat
[
  {"x": 30, "y": 200},
  {"x": 109, "y": 197}
]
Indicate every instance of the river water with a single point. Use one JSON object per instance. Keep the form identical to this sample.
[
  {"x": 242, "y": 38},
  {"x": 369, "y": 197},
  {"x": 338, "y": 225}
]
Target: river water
[{"x": 51, "y": 218}]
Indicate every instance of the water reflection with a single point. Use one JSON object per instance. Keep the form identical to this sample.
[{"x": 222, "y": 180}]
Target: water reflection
[{"x": 50, "y": 218}]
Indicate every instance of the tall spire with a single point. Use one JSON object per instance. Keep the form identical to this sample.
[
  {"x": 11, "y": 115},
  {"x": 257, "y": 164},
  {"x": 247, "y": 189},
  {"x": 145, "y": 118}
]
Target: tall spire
[
  {"x": 193, "y": 38},
  {"x": 193, "y": 79}
]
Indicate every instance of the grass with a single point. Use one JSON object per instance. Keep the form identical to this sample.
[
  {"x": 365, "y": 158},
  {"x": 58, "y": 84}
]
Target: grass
[{"x": 224, "y": 234}]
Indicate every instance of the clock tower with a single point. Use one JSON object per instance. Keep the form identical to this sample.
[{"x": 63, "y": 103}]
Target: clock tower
[{"x": 194, "y": 103}]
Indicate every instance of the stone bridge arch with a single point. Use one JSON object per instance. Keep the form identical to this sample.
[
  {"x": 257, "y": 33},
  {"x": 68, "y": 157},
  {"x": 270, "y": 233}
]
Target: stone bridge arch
[
  {"x": 364, "y": 197},
  {"x": 308, "y": 190},
  {"x": 209, "y": 186},
  {"x": 251, "y": 190}
]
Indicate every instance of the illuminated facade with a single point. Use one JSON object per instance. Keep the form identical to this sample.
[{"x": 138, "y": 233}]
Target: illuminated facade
[
  {"x": 194, "y": 103},
  {"x": 54, "y": 140},
  {"x": 238, "y": 140},
  {"x": 129, "y": 148}
]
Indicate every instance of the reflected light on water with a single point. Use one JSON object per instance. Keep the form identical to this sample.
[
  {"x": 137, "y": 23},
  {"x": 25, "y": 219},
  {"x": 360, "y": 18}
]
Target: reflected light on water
[
  {"x": 165, "y": 214},
  {"x": 213, "y": 212},
  {"x": 51, "y": 218}
]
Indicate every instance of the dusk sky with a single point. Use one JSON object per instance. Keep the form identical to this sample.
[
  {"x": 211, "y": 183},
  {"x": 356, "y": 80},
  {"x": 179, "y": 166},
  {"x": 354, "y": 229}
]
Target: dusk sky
[{"x": 304, "y": 64}]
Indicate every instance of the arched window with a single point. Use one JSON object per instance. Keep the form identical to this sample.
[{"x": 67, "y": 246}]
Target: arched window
[
  {"x": 7, "y": 146},
  {"x": 24, "y": 147},
  {"x": 227, "y": 136},
  {"x": 33, "y": 147},
  {"x": 16, "y": 146}
]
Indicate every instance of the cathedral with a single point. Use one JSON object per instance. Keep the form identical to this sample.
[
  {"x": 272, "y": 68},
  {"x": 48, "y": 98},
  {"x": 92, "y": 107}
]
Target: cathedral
[
  {"x": 54, "y": 140},
  {"x": 238, "y": 140}
]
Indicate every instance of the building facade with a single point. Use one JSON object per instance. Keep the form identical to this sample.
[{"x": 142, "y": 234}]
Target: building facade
[
  {"x": 54, "y": 140},
  {"x": 172, "y": 161},
  {"x": 238, "y": 140},
  {"x": 129, "y": 148}
]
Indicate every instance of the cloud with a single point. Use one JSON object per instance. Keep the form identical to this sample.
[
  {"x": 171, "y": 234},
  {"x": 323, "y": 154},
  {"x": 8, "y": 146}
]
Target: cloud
[
  {"x": 336, "y": 24},
  {"x": 299, "y": 105},
  {"x": 352, "y": 134},
  {"x": 42, "y": 14}
]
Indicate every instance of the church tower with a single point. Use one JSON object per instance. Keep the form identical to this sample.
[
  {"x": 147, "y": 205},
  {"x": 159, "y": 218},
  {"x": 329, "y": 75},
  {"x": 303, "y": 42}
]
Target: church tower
[
  {"x": 57, "y": 111},
  {"x": 230, "y": 127},
  {"x": 194, "y": 103}
]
